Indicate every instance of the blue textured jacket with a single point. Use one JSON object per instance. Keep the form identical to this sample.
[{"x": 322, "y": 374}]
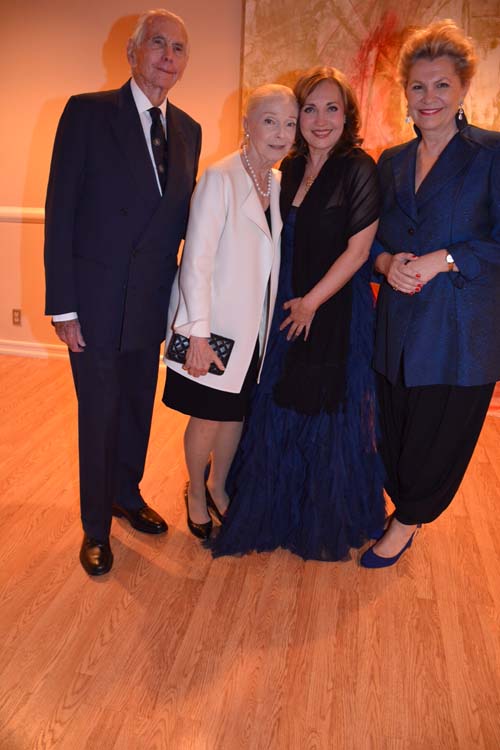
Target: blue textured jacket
[{"x": 449, "y": 333}]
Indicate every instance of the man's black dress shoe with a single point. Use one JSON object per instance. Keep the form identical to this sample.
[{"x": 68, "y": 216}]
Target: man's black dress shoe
[
  {"x": 95, "y": 556},
  {"x": 143, "y": 519}
]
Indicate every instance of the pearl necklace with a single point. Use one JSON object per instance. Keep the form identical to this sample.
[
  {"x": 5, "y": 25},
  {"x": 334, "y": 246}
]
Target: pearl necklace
[{"x": 263, "y": 193}]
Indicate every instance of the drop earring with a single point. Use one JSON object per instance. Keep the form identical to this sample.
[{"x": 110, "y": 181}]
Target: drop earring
[
  {"x": 407, "y": 118},
  {"x": 461, "y": 111}
]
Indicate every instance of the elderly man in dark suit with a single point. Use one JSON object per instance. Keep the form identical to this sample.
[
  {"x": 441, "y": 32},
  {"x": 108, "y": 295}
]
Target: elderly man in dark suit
[{"x": 123, "y": 169}]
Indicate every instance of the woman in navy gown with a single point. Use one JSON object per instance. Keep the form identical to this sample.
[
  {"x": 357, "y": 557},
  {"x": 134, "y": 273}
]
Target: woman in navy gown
[{"x": 307, "y": 476}]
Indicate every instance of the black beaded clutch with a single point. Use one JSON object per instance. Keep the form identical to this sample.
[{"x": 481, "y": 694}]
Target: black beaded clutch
[{"x": 221, "y": 345}]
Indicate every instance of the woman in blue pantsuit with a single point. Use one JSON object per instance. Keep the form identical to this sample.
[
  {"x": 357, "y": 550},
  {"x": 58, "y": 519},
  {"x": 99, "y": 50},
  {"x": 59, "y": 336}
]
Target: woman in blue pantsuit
[{"x": 437, "y": 351}]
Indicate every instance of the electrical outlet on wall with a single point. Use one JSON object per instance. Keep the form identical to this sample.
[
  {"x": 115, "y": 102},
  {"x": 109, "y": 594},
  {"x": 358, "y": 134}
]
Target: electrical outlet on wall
[{"x": 16, "y": 316}]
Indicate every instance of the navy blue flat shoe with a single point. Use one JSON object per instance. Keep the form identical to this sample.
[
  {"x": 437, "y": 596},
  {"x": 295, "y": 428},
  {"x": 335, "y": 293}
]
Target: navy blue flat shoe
[{"x": 370, "y": 559}]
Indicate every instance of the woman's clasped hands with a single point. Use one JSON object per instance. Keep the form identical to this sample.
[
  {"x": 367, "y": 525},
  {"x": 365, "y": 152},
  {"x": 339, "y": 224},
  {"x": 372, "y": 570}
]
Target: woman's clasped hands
[
  {"x": 401, "y": 273},
  {"x": 407, "y": 273}
]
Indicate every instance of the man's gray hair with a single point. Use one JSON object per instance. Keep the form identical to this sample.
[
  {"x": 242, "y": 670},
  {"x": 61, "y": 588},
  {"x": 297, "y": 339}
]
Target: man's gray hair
[{"x": 142, "y": 22}]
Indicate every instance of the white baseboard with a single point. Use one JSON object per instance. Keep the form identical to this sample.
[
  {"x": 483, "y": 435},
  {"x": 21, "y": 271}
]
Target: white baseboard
[
  {"x": 33, "y": 349},
  {"x": 42, "y": 351},
  {"x": 22, "y": 214}
]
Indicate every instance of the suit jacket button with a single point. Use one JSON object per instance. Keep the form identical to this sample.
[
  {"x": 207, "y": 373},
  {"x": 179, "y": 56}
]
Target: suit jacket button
[
  {"x": 411, "y": 230},
  {"x": 124, "y": 211}
]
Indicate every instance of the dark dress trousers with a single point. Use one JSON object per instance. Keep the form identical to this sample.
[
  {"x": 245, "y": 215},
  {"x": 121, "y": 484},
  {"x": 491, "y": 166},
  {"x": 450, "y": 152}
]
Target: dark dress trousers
[
  {"x": 111, "y": 243},
  {"x": 437, "y": 352}
]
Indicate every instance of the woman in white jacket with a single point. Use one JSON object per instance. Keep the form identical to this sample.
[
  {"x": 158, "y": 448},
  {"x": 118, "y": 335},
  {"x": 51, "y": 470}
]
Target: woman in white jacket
[{"x": 226, "y": 285}]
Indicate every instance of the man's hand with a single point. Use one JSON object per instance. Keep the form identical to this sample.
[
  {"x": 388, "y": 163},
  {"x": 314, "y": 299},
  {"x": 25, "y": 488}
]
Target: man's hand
[{"x": 70, "y": 332}]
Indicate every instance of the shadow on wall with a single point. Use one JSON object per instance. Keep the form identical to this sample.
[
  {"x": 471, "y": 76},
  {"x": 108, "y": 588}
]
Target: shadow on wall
[
  {"x": 114, "y": 52},
  {"x": 226, "y": 134},
  {"x": 36, "y": 326}
]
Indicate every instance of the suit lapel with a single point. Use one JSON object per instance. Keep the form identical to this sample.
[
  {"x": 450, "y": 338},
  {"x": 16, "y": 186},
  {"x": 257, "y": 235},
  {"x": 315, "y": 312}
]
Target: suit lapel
[
  {"x": 177, "y": 168},
  {"x": 176, "y": 154},
  {"x": 403, "y": 167},
  {"x": 452, "y": 160},
  {"x": 130, "y": 135}
]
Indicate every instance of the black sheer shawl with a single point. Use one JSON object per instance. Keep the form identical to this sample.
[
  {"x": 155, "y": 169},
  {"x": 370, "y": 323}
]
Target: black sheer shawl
[{"x": 343, "y": 200}]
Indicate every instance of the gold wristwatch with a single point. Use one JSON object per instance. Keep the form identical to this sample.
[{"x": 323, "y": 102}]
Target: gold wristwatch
[{"x": 450, "y": 260}]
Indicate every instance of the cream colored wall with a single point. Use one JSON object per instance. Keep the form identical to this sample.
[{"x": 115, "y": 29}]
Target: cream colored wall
[{"x": 54, "y": 48}]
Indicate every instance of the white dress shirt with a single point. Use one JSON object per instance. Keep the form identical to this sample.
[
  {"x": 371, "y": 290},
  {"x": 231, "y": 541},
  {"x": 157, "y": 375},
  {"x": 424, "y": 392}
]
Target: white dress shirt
[{"x": 143, "y": 105}]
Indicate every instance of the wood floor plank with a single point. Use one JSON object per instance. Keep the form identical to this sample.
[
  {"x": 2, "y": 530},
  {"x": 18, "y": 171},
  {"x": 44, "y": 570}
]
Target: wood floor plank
[{"x": 176, "y": 651}]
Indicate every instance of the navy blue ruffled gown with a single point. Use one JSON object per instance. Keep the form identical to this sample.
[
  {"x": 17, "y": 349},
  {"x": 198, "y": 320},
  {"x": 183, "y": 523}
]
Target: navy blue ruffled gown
[{"x": 310, "y": 484}]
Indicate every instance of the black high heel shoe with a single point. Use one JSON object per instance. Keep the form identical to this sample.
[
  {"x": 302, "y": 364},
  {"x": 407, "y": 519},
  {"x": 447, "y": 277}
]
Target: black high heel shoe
[
  {"x": 212, "y": 508},
  {"x": 200, "y": 530}
]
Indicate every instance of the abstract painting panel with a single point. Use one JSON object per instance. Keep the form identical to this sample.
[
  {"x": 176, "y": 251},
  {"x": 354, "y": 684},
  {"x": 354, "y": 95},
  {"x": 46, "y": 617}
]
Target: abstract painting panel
[{"x": 363, "y": 39}]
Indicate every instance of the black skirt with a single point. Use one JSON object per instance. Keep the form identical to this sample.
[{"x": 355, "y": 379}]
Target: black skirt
[{"x": 198, "y": 400}]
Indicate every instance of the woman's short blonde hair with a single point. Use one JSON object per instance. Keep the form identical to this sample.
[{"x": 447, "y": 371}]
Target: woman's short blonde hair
[
  {"x": 267, "y": 91},
  {"x": 306, "y": 85},
  {"x": 439, "y": 39}
]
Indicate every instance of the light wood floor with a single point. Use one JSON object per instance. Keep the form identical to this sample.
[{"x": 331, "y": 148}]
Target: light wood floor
[{"x": 173, "y": 650}]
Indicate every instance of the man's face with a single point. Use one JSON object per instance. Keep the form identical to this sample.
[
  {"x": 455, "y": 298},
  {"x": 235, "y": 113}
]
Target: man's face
[{"x": 158, "y": 62}]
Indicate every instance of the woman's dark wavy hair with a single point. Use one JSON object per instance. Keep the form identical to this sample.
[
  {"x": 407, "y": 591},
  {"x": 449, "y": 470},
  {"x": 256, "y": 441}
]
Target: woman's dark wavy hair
[{"x": 303, "y": 88}]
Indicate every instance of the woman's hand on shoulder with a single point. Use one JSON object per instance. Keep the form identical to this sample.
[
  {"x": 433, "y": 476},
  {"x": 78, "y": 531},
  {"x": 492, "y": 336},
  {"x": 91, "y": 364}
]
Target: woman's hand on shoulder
[
  {"x": 300, "y": 316},
  {"x": 199, "y": 357}
]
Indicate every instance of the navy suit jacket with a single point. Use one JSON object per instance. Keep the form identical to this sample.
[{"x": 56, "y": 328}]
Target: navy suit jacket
[
  {"x": 111, "y": 239},
  {"x": 447, "y": 333}
]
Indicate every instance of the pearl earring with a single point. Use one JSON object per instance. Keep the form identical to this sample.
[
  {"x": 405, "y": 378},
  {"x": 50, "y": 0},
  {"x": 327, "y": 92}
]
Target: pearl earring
[
  {"x": 407, "y": 118},
  {"x": 461, "y": 111}
]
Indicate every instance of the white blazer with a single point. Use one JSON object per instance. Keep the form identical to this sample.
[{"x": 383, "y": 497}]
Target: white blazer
[{"x": 229, "y": 263}]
